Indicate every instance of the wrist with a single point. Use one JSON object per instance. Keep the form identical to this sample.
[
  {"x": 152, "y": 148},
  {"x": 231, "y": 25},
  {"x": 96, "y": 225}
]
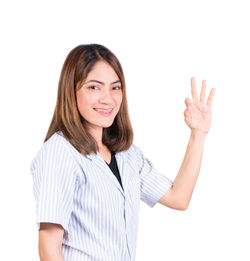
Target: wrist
[{"x": 198, "y": 134}]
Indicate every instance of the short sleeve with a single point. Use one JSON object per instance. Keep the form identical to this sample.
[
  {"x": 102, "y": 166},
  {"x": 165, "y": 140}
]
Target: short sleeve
[
  {"x": 154, "y": 184},
  {"x": 53, "y": 172}
]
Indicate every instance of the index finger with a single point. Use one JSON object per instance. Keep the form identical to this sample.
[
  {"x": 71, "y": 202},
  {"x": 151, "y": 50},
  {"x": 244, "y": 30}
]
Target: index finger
[{"x": 193, "y": 90}]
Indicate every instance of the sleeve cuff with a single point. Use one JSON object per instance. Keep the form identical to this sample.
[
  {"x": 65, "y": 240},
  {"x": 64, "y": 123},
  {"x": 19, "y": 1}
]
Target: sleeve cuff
[{"x": 162, "y": 186}]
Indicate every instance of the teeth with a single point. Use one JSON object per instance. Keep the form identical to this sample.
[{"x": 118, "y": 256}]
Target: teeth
[{"x": 104, "y": 111}]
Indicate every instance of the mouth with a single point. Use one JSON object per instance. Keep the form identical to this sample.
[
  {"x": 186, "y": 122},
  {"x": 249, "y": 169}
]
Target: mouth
[{"x": 104, "y": 112}]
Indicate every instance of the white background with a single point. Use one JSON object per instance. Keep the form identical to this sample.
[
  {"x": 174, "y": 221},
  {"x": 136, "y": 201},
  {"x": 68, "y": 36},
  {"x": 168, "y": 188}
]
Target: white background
[{"x": 161, "y": 45}]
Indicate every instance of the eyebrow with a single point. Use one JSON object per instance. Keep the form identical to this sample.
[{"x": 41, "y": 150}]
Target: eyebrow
[{"x": 102, "y": 82}]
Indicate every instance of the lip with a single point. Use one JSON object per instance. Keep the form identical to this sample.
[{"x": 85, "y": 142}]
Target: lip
[
  {"x": 104, "y": 108},
  {"x": 103, "y": 113}
]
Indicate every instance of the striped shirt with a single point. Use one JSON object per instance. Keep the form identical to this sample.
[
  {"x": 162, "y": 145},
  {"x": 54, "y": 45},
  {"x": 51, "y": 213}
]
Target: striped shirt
[{"x": 83, "y": 195}]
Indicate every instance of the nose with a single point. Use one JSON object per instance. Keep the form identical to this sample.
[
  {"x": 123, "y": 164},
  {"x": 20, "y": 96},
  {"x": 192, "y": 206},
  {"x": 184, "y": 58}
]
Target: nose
[{"x": 105, "y": 96}]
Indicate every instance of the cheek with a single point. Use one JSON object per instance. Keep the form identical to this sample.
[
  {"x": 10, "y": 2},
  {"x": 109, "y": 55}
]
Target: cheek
[
  {"x": 83, "y": 105},
  {"x": 84, "y": 100},
  {"x": 119, "y": 99},
  {"x": 80, "y": 101}
]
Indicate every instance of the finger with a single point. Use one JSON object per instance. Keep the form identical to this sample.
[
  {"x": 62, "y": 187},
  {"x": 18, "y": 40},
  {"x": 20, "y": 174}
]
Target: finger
[
  {"x": 193, "y": 90},
  {"x": 186, "y": 113},
  {"x": 210, "y": 97},
  {"x": 189, "y": 104},
  {"x": 188, "y": 101},
  {"x": 187, "y": 120},
  {"x": 203, "y": 91}
]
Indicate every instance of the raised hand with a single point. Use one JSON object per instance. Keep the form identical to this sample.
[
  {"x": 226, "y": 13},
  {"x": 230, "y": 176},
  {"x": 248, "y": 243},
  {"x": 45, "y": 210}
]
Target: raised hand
[{"x": 198, "y": 114}]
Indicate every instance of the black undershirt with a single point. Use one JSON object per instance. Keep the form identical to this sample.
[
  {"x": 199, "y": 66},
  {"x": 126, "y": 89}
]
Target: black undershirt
[{"x": 114, "y": 168}]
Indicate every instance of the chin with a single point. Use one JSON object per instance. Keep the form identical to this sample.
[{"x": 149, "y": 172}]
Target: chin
[{"x": 107, "y": 125}]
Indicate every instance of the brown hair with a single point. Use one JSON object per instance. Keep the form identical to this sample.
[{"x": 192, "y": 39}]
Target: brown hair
[{"x": 67, "y": 118}]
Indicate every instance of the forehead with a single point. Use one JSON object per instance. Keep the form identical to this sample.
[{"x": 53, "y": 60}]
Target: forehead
[{"x": 102, "y": 71}]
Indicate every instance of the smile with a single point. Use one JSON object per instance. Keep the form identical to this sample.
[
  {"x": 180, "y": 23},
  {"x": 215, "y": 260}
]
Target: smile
[{"x": 104, "y": 112}]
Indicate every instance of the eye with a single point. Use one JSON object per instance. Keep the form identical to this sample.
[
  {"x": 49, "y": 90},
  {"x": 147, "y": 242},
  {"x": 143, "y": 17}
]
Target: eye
[
  {"x": 117, "y": 88},
  {"x": 93, "y": 87}
]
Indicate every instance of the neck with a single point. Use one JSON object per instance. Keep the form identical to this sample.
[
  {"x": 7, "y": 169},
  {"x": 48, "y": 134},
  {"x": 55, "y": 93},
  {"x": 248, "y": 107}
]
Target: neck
[{"x": 96, "y": 133}]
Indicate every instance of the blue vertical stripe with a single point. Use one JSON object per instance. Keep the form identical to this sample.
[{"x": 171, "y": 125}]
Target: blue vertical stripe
[{"x": 83, "y": 195}]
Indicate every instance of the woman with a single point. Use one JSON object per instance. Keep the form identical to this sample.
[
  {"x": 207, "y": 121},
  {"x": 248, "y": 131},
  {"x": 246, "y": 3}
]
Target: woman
[{"x": 89, "y": 177}]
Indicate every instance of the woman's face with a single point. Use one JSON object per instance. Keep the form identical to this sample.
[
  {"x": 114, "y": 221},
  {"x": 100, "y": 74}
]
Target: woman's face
[{"x": 100, "y": 96}]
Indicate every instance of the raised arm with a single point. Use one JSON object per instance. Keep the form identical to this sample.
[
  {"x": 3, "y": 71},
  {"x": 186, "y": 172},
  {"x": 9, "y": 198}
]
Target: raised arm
[{"x": 198, "y": 117}]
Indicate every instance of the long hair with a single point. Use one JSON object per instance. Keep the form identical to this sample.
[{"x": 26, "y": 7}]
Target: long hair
[{"x": 67, "y": 118}]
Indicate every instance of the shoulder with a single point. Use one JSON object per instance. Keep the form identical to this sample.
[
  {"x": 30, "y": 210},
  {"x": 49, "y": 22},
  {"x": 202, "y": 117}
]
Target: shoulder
[
  {"x": 134, "y": 151},
  {"x": 55, "y": 150},
  {"x": 137, "y": 157},
  {"x": 57, "y": 140},
  {"x": 134, "y": 155},
  {"x": 55, "y": 143}
]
